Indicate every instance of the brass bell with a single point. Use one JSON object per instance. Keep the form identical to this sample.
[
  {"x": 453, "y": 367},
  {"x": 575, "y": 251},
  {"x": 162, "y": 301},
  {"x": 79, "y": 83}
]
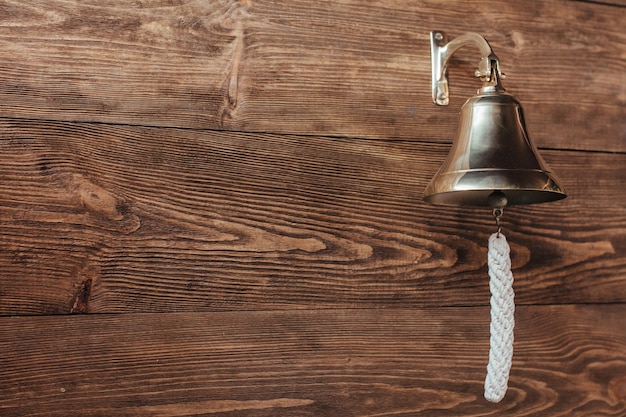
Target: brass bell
[
  {"x": 492, "y": 154},
  {"x": 492, "y": 163}
]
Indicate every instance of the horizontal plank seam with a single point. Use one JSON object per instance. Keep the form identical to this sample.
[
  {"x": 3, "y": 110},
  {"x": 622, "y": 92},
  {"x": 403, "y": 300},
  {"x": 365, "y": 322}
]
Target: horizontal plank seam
[
  {"x": 601, "y": 3},
  {"x": 198, "y": 129}
]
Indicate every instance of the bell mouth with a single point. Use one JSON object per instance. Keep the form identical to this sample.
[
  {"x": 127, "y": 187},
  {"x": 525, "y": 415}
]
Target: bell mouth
[
  {"x": 479, "y": 198},
  {"x": 473, "y": 187}
]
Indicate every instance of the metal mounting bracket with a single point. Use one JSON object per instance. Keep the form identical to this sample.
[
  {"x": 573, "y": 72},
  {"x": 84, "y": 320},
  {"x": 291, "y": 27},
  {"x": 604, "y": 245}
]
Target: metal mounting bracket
[{"x": 440, "y": 52}]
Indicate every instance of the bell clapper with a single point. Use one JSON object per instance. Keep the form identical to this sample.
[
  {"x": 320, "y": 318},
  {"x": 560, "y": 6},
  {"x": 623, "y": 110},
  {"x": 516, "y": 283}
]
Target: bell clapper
[
  {"x": 497, "y": 213},
  {"x": 497, "y": 200}
]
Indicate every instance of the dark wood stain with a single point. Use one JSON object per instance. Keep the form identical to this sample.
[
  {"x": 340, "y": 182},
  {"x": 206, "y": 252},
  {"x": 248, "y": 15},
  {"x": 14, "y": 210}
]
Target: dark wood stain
[{"x": 215, "y": 208}]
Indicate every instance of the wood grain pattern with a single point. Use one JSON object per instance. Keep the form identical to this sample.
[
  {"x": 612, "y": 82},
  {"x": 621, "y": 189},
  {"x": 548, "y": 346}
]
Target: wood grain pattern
[
  {"x": 101, "y": 218},
  {"x": 236, "y": 187},
  {"x": 569, "y": 361},
  {"x": 348, "y": 68}
]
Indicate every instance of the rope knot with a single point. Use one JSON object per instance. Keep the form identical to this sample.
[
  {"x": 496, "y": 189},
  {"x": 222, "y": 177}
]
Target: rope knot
[{"x": 502, "y": 318}]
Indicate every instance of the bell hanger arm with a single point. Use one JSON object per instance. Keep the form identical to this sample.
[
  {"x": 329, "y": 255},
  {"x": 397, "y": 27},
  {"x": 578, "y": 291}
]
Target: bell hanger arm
[{"x": 440, "y": 52}]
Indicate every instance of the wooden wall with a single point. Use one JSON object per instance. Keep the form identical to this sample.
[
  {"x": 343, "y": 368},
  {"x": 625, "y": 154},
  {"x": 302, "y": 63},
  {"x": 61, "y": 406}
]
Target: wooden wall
[{"x": 215, "y": 208}]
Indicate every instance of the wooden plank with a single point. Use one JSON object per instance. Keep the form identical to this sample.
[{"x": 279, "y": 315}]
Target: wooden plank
[
  {"x": 348, "y": 68},
  {"x": 100, "y": 218},
  {"x": 568, "y": 361}
]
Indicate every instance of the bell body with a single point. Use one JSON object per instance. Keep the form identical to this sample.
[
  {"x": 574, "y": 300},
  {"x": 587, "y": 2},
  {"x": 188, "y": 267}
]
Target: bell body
[{"x": 493, "y": 152}]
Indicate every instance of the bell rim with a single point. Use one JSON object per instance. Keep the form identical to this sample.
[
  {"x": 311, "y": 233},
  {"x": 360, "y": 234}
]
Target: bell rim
[
  {"x": 472, "y": 187},
  {"x": 479, "y": 198}
]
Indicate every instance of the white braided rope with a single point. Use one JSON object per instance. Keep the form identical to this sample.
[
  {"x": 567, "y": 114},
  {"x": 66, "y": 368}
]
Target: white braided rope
[{"x": 502, "y": 318}]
